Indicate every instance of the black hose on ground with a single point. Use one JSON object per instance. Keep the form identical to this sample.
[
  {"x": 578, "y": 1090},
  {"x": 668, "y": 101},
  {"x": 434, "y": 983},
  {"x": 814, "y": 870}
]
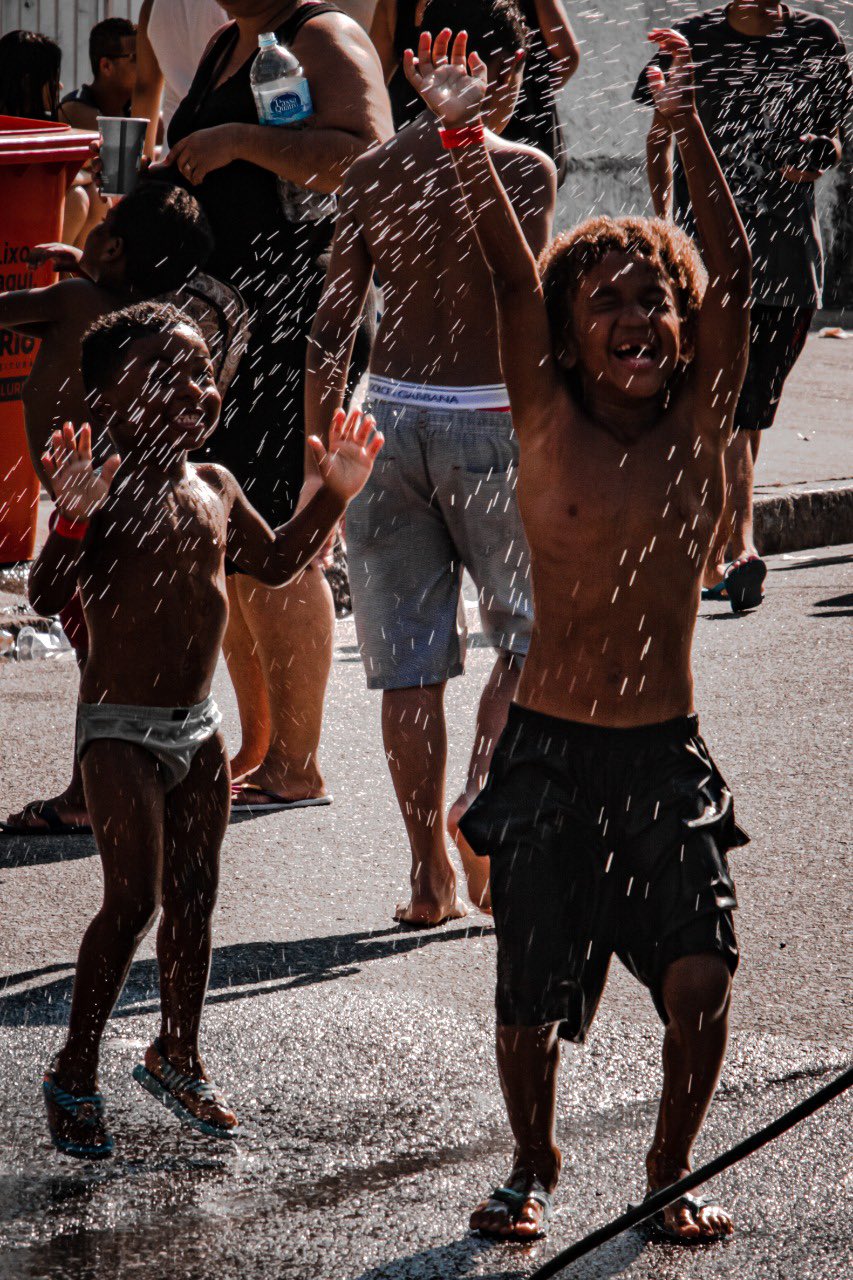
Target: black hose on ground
[{"x": 667, "y": 1195}]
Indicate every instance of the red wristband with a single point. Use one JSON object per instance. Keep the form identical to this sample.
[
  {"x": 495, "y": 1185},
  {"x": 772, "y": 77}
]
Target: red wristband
[
  {"x": 76, "y": 529},
  {"x": 470, "y": 135}
]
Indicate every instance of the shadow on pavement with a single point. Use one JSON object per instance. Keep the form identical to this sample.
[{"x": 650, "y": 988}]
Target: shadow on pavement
[
  {"x": 835, "y": 607},
  {"x": 39, "y": 851},
  {"x": 458, "y": 1258},
  {"x": 814, "y": 562},
  {"x": 239, "y": 971}
]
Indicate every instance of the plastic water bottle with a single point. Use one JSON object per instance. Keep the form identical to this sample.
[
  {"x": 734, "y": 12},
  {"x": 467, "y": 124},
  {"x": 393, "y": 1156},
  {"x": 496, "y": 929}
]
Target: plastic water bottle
[
  {"x": 283, "y": 97},
  {"x": 58, "y": 637},
  {"x": 34, "y": 644}
]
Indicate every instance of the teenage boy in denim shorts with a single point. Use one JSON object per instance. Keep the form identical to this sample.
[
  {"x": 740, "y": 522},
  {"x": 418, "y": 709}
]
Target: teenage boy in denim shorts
[{"x": 443, "y": 497}]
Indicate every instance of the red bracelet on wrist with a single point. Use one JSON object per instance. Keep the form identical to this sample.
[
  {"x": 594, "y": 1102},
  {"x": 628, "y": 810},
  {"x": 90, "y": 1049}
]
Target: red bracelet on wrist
[
  {"x": 470, "y": 135},
  {"x": 76, "y": 529}
]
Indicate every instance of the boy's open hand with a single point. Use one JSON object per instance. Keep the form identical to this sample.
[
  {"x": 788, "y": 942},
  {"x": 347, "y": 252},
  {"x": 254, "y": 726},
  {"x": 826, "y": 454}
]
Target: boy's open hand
[
  {"x": 77, "y": 488},
  {"x": 675, "y": 92},
  {"x": 453, "y": 90},
  {"x": 353, "y": 446}
]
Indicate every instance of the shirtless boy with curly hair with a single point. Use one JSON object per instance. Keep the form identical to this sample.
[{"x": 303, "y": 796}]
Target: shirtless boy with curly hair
[{"x": 605, "y": 818}]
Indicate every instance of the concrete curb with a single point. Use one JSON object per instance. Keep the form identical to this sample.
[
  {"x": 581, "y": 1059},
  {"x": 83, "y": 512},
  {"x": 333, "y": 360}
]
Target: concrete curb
[{"x": 797, "y": 519}]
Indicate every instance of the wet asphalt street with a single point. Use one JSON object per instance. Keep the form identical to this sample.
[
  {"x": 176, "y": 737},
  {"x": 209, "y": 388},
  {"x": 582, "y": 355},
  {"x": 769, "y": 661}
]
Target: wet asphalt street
[{"x": 359, "y": 1055}]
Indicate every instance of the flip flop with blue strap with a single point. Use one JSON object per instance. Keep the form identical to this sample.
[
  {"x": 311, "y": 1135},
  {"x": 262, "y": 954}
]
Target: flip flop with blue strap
[
  {"x": 76, "y": 1121},
  {"x": 192, "y": 1098},
  {"x": 742, "y": 585}
]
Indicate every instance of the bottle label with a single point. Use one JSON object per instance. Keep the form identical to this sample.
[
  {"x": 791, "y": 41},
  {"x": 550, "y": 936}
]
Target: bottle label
[{"x": 288, "y": 105}]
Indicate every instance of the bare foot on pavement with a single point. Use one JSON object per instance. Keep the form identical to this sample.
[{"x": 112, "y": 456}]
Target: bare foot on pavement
[{"x": 476, "y": 868}]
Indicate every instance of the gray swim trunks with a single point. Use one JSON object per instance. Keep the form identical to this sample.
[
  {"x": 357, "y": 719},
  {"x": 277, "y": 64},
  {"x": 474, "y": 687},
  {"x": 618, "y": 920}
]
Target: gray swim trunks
[
  {"x": 441, "y": 498},
  {"x": 172, "y": 736}
]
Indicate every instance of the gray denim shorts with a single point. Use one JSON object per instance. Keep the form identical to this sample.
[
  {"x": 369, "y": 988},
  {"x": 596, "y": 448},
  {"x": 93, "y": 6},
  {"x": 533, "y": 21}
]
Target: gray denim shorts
[{"x": 441, "y": 498}]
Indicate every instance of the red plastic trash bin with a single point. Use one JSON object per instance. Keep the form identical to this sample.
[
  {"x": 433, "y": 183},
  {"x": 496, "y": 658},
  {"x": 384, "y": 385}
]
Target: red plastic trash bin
[{"x": 37, "y": 163}]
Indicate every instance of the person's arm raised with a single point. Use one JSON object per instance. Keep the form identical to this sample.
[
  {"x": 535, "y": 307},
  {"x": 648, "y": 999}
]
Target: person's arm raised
[
  {"x": 276, "y": 556},
  {"x": 454, "y": 91},
  {"x": 79, "y": 491},
  {"x": 722, "y": 335},
  {"x": 148, "y": 90},
  {"x": 560, "y": 39},
  {"x": 382, "y": 36},
  {"x": 659, "y": 148}
]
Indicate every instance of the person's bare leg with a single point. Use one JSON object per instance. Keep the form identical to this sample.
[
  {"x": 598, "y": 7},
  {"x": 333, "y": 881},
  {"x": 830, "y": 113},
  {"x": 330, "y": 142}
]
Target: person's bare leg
[
  {"x": 250, "y": 687},
  {"x": 740, "y": 471},
  {"x": 195, "y": 823},
  {"x": 491, "y": 720},
  {"x": 126, "y": 804},
  {"x": 697, "y": 997},
  {"x": 528, "y": 1061},
  {"x": 415, "y": 738},
  {"x": 733, "y": 539},
  {"x": 293, "y": 628}
]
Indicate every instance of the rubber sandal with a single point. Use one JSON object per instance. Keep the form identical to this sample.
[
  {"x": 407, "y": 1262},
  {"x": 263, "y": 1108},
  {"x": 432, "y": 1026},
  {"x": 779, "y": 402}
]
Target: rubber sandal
[
  {"x": 744, "y": 582},
  {"x": 655, "y": 1228},
  {"x": 186, "y": 1095},
  {"x": 76, "y": 1121},
  {"x": 515, "y": 1202},
  {"x": 718, "y": 592},
  {"x": 55, "y": 825},
  {"x": 250, "y": 798}
]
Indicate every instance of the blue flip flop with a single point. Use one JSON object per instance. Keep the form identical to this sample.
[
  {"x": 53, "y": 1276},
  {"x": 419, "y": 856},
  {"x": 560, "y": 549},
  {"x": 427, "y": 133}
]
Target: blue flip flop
[{"x": 81, "y": 1116}]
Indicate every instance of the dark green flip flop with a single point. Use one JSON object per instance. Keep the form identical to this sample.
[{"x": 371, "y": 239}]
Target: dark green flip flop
[
  {"x": 744, "y": 583},
  {"x": 655, "y": 1228}
]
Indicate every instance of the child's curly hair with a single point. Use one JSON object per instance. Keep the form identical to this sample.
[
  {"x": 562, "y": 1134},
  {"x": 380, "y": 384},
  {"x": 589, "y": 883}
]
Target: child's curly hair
[{"x": 572, "y": 255}]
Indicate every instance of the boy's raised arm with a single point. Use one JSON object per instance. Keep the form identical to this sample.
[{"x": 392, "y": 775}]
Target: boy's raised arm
[
  {"x": 80, "y": 491},
  {"x": 722, "y": 338},
  {"x": 454, "y": 88},
  {"x": 276, "y": 556}
]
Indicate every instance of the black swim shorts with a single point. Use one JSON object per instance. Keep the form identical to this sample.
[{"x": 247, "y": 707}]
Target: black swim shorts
[
  {"x": 601, "y": 841},
  {"x": 777, "y": 336}
]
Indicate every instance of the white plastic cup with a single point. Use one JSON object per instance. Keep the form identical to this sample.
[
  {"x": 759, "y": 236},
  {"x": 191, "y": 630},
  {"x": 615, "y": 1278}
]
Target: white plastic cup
[{"x": 122, "y": 140}]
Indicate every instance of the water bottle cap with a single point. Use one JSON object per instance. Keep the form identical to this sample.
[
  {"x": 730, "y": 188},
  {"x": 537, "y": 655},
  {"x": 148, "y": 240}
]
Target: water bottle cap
[{"x": 267, "y": 40}]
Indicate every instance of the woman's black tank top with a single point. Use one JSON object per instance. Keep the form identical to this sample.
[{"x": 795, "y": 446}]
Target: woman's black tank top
[
  {"x": 241, "y": 200},
  {"x": 535, "y": 120}
]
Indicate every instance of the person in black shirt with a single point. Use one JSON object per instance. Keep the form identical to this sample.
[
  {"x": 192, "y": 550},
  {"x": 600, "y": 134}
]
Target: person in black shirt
[
  {"x": 772, "y": 87},
  {"x": 279, "y": 642},
  {"x": 552, "y": 59},
  {"x": 112, "y": 53}
]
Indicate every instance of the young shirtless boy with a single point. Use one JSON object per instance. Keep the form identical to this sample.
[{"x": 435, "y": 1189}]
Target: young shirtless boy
[
  {"x": 146, "y": 541},
  {"x": 444, "y": 495},
  {"x": 149, "y": 243},
  {"x": 606, "y": 820}
]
